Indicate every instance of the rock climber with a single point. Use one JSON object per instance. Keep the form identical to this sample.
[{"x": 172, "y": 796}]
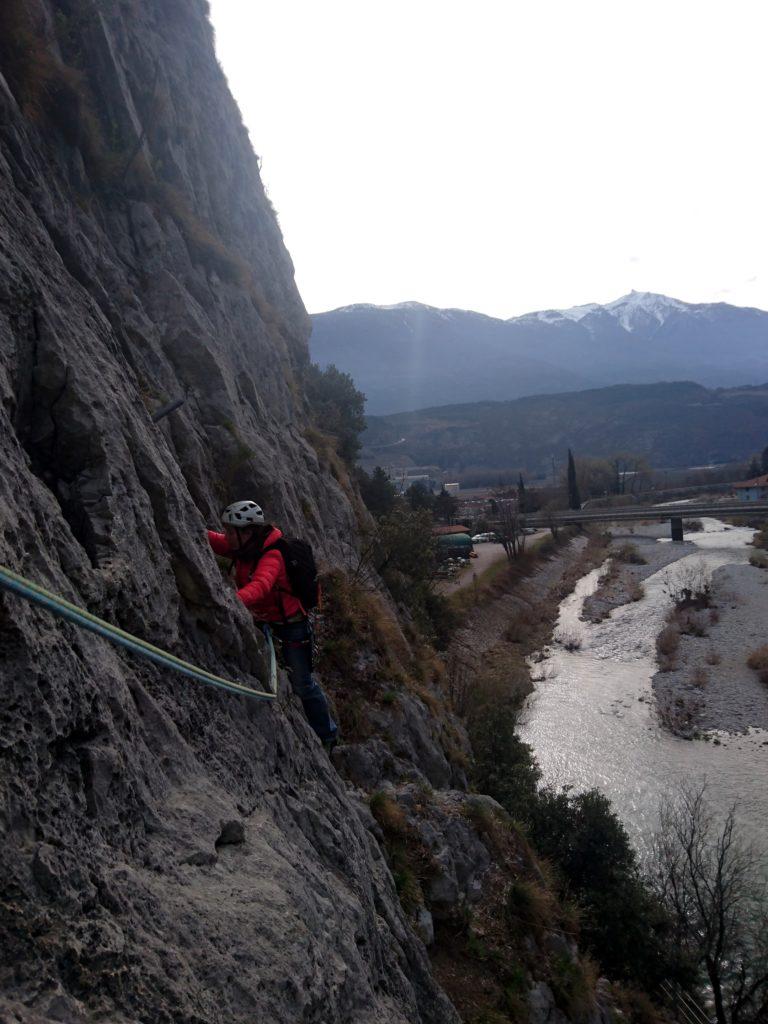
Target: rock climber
[{"x": 265, "y": 589}]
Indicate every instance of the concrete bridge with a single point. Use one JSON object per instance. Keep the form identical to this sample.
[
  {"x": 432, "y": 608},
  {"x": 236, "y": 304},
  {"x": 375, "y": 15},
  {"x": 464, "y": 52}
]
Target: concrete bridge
[{"x": 633, "y": 513}]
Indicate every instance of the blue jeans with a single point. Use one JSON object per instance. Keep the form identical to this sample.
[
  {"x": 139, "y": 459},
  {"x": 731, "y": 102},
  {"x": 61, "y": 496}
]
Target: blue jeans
[{"x": 296, "y": 643}]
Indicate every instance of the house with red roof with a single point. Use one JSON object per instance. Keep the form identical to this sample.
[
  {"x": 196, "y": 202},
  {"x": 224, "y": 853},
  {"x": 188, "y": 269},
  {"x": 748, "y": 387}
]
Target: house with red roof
[{"x": 755, "y": 489}]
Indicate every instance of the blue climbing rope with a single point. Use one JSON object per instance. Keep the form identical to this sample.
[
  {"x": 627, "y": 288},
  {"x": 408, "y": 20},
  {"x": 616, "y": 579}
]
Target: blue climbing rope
[{"x": 25, "y": 588}]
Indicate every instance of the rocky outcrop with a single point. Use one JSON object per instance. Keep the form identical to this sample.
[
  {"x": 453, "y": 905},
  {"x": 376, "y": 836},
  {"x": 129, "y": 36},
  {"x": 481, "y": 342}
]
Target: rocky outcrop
[{"x": 169, "y": 853}]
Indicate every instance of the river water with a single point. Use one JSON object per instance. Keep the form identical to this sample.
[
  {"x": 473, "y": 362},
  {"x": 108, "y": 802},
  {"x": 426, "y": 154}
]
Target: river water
[{"x": 591, "y": 720}]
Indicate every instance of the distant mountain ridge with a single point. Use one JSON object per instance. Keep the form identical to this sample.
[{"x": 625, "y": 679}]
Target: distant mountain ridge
[
  {"x": 410, "y": 356},
  {"x": 672, "y": 424}
]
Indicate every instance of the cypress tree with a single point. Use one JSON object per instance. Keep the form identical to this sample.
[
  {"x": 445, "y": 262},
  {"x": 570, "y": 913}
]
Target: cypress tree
[
  {"x": 521, "y": 504},
  {"x": 574, "y": 498}
]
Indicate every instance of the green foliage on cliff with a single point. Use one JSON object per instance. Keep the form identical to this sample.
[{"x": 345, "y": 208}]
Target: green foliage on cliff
[
  {"x": 406, "y": 557},
  {"x": 622, "y": 925},
  {"x": 337, "y": 407},
  {"x": 376, "y": 490}
]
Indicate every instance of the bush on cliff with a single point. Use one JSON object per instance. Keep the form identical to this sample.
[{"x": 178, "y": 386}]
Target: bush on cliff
[
  {"x": 405, "y": 557},
  {"x": 622, "y": 925},
  {"x": 504, "y": 765}
]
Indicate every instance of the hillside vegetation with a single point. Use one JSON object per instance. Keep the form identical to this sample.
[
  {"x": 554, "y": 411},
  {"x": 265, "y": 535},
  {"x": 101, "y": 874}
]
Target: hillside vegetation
[{"x": 674, "y": 424}]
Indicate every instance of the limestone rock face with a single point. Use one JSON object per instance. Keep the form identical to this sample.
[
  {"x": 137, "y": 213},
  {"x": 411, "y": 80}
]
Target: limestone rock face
[{"x": 169, "y": 852}]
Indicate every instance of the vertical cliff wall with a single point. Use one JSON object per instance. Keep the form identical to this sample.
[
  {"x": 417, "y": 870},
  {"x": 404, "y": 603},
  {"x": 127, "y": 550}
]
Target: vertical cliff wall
[{"x": 169, "y": 853}]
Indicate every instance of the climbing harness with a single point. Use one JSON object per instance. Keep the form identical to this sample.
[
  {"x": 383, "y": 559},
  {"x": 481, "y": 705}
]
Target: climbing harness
[{"x": 22, "y": 587}]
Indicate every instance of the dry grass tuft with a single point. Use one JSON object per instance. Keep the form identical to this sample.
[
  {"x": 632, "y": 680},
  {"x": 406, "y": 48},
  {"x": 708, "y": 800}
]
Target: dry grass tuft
[
  {"x": 523, "y": 625},
  {"x": 573, "y": 986},
  {"x": 699, "y": 677},
  {"x": 758, "y": 661},
  {"x": 629, "y": 554},
  {"x": 689, "y": 622},
  {"x": 532, "y": 906},
  {"x": 667, "y": 645},
  {"x": 389, "y": 814},
  {"x": 692, "y": 526}
]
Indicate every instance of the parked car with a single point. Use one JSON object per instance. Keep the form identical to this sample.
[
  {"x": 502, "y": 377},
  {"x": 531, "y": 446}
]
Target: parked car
[{"x": 484, "y": 538}]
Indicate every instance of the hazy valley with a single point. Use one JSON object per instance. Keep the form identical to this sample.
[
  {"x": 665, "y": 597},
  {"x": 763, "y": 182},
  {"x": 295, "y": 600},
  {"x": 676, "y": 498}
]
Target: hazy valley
[{"x": 411, "y": 356}]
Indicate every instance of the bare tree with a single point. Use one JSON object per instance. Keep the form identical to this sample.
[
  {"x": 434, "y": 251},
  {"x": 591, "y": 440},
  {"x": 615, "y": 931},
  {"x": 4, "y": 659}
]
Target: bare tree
[
  {"x": 630, "y": 471},
  {"x": 509, "y": 527},
  {"x": 711, "y": 884},
  {"x": 549, "y": 511}
]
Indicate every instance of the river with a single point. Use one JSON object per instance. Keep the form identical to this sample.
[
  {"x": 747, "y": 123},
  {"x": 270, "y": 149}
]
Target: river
[{"x": 591, "y": 720}]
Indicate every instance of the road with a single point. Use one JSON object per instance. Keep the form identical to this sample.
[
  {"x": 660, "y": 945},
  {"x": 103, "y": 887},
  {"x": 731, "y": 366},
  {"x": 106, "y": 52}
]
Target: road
[{"x": 487, "y": 555}]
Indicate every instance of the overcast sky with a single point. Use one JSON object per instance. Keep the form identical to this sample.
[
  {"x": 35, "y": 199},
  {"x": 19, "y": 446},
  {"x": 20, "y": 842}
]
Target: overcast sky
[{"x": 506, "y": 156}]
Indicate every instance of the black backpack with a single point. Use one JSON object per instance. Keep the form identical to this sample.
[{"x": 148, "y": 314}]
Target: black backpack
[{"x": 301, "y": 569}]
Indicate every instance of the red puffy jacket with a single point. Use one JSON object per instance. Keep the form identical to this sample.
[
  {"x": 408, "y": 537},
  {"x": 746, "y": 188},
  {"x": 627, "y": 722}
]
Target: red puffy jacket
[{"x": 262, "y": 583}]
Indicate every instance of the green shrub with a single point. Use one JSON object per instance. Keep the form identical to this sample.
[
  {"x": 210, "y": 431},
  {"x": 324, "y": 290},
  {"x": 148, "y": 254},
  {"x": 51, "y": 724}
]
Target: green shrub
[
  {"x": 622, "y": 925},
  {"x": 476, "y": 948},
  {"x": 504, "y": 765},
  {"x": 377, "y": 491},
  {"x": 408, "y": 888}
]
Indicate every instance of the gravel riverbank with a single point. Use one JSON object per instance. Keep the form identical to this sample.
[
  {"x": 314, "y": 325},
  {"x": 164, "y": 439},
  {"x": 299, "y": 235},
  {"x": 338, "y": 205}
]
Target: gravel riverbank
[
  {"x": 712, "y": 679},
  {"x": 623, "y": 581},
  {"x": 707, "y": 686}
]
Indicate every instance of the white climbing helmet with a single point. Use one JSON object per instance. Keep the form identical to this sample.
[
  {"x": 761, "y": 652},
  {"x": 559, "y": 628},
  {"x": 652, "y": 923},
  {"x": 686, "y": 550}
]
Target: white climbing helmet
[{"x": 242, "y": 513}]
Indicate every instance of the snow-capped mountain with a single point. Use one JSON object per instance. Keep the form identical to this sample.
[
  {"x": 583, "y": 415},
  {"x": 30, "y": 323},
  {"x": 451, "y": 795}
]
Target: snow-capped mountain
[
  {"x": 411, "y": 356},
  {"x": 637, "y": 311}
]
